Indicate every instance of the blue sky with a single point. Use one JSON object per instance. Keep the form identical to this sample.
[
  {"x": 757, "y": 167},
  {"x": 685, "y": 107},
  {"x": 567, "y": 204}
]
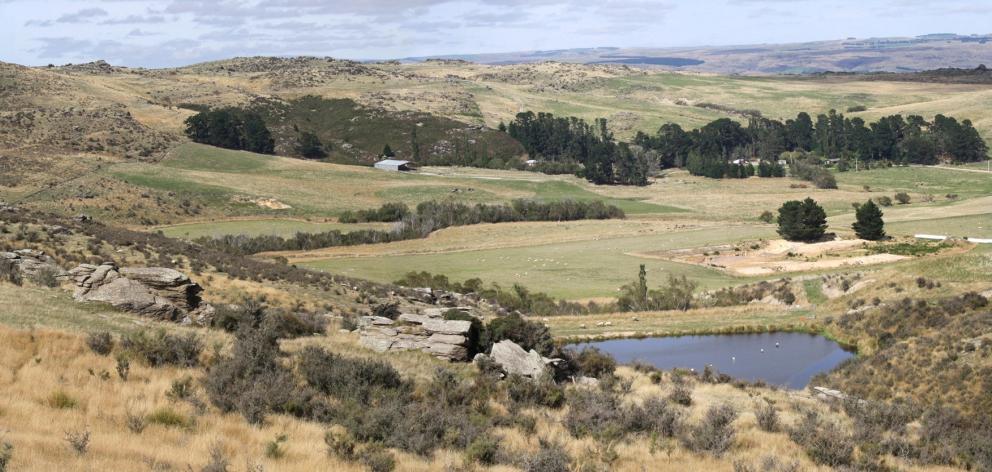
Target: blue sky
[{"x": 177, "y": 32}]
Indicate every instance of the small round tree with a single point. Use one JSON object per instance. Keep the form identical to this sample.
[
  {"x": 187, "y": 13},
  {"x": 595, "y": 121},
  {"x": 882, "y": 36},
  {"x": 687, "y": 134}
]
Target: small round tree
[
  {"x": 802, "y": 221},
  {"x": 869, "y": 224}
]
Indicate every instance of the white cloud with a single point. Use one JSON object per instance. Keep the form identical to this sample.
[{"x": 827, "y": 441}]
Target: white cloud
[{"x": 172, "y": 32}]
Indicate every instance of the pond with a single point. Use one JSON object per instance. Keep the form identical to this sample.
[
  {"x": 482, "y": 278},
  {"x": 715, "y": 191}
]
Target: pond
[{"x": 785, "y": 359}]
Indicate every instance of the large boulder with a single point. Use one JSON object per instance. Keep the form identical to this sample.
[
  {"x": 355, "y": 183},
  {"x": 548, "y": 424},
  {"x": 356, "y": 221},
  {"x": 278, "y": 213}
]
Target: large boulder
[
  {"x": 513, "y": 359},
  {"x": 155, "y": 292},
  {"x": 427, "y": 331},
  {"x": 31, "y": 261}
]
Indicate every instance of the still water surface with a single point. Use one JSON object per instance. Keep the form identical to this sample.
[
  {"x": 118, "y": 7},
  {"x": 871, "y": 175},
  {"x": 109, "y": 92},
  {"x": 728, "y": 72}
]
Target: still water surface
[{"x": 785, "y": 359}]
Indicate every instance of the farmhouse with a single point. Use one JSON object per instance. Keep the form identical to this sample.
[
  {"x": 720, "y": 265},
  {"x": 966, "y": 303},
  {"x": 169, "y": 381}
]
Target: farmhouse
[{"x": 393, "y": 165}]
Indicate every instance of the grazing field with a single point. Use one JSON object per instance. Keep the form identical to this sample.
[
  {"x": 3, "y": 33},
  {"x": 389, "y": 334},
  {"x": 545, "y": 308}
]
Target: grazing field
[
  {"x": 231, "y": 180},
  {"x": 573, "y": 270}
]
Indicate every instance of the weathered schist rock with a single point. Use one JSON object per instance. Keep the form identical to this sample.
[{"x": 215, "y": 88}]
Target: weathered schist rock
[
  {"x": 31, "y": 261},
  {"x": 156, "y": 292},
  {"x": 428, "y": 332},
  {"x": 513, "y": 359}
]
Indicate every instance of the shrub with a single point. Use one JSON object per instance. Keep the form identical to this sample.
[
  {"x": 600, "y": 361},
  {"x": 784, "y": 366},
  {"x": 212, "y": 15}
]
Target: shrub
[
  {"x": 529, "y": 335},
  {"x": 767, "y": 216},
  {"x": 46, "y": 276},
  {"x": 181, "y": 389},
  {"x": 273, "y": 449},
  {"x": 135, "y": 423},
  {"x": 123, "y": 366},
  {"x": 79, "y": 441},
  {"x": 681, "y": 394},
  {"x": 253, "y": 382},
  {"x": 378, "y": 459},
  {"x": 100, "y": 342},
  {"x": 347, "y": 378},
  {"x": 594, "y": 413},
  {"x": 825, "y": 443},
  {"x": 903, "y": 198},
  {"x": 484, "y": 450},
  {"x": 218, "y": 460},
  {"x": 767, "y": 464},
  {"x": 715, "y": 434},
  {"x": 169, "y": 418},
  {"x": 340, "y": 445},
  {"x": 61, "y": 400},
  {"x": 550, "y": 457},
  {"x": 161, "y": 348},
  {"x": 593, "y": 362},
  {"x": 884, "y": 201},
  {"x": 9, "y": 272},
  {"x": 767, "y": 417},
  {"x": 660, "y": 417},
  {"x": 524, "y": 392},
  {"x": 6, "y": 454}
]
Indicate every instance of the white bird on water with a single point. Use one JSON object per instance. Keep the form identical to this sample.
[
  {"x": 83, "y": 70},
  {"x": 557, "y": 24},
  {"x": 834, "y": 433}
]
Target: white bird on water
[
  {"x": 776, "y": 344},
  {"x": 762, "y": 350}
]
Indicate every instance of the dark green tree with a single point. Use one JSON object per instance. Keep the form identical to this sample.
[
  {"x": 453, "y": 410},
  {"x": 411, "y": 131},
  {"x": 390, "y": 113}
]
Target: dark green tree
[
  {"x": 387, "y": 151},
  {"x": 309, "y": 146},
  {"x": 802, "y": 221},
  {"x": 869, "y": 224}
]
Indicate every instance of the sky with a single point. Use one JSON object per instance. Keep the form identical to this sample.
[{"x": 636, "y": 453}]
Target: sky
[{"x": 166, "y": 33}]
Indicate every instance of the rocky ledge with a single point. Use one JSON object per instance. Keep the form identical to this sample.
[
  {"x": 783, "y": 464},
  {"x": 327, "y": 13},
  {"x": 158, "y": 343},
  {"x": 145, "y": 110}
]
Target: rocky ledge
[
  {"x": 30, "y": 261},
  {"x": 428, "y": 332},
  {"x": 156, "y": 292}
]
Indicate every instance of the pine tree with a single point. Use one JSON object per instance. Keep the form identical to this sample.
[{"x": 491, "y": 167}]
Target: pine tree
[
  {"x": 869, "y": 224},
  {"x": 388, "y": 152},
  {"x": 802, "y": 221}
]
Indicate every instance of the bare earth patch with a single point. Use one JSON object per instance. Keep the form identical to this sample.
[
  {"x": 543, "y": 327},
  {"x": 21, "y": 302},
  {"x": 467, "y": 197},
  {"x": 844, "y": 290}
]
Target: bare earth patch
[{"x": 777, "y": 256}]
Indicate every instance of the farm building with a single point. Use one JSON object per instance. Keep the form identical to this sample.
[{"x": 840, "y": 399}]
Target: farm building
[{"x": 393, "y": 165}]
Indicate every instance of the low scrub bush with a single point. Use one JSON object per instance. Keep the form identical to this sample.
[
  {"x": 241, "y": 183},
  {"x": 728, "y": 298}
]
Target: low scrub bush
[
  {"x": 824, "y": 442},
  {"x": 681, "y": 394},
  {"x": 528, "y": 334},
  {"x": 253, "y": 381},
  {"x": 550, "y": 457},
  {"x": 377, "y": 459},
  {"x": 524, "y": 392},
  {"x": 593, "y": 362},
  {"x": 483, "y": 450},
  {"x": 6, "y": 454},
  {"x": 714, "y": 434},
  {"x": 79, "y": 441},
  {"x": 100, "y": 342},
  {"x": 10, "y": 273},
  {"x": 767, "y": 416},
  {"x": 160, "y": 348}
]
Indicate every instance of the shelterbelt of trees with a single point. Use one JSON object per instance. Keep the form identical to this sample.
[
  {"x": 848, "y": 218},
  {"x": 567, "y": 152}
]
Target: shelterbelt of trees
[
  {"x": 712, "y": 150},
  {"x": 724, "y": 147},
  {"x": 428, "y": 217}
]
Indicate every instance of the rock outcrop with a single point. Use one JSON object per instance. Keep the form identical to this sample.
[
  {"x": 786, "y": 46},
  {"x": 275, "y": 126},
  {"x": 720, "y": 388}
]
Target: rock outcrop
[
  {"x": 514, "y": 360},
  {"x": 31, "y": 261},
  {"x": 156, "y": 292},
  {"x": 428, "y": 332}
]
